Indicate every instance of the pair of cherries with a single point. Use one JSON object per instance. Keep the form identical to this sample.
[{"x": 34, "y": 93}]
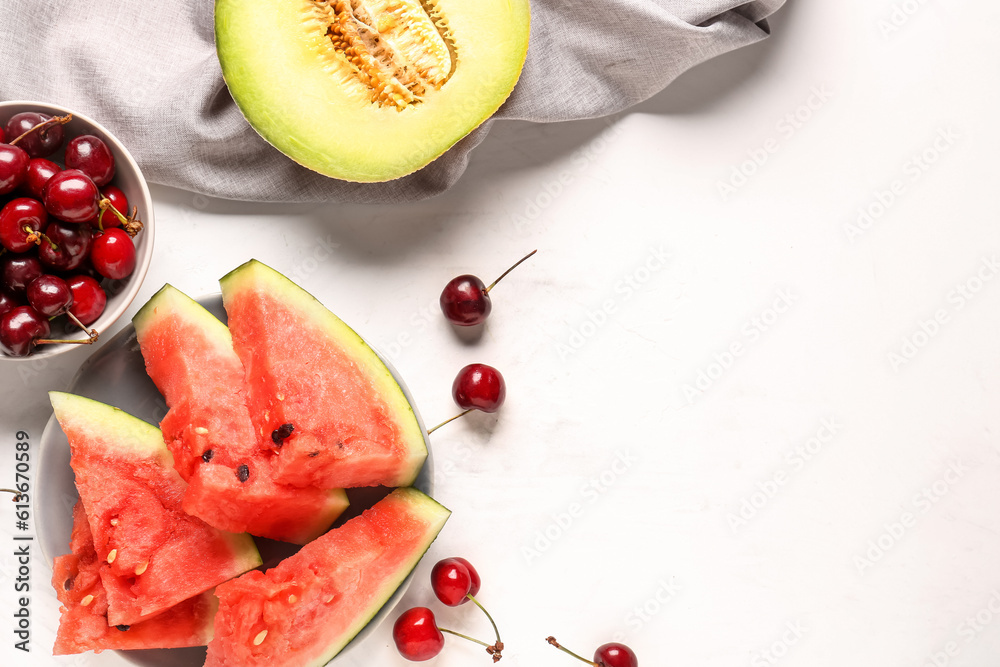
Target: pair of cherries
[
  {"x": 455, "y": 581},
  {"x": 466, "y": 302}
]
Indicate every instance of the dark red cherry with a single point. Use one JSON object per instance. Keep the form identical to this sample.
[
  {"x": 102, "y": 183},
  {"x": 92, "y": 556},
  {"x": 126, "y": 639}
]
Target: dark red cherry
[
  {"x": 465, "y": 300},
  {"x": 8, "y": 302},
  {"x": 40, "y": 171},
  {"x": 13, "y": 167},
  {"x": 113, "y": 254},
  {"x": 119, "y": 201},
  {"x": 92, "y": 156},
  {"x": 70, "y": 195},
  {"x": 89, "y": 298},
  {"x": 50, "y": 296},
  {"x": 19, "y": 329},
  {"x": 40, "y": 143},
  {"x": 452, "y": 581},
  {"x": 416, "y": 635},
  {"x": 20, "y": 221},
  {"x": 479, "y": 387},
  {"x": 66, "y": 245},
  {"x": 18, "y": 271},
  {"x": 615, "y": 655}
]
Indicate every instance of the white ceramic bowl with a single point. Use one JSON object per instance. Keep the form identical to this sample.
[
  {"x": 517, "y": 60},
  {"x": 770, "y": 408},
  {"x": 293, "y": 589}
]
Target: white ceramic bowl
[
  {"x": 116, "y": 375},
  {"x": 129, "y": 178}
]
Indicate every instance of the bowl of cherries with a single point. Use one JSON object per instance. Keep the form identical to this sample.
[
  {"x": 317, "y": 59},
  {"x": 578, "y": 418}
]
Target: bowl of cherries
[{"x": 76, "y": 230}]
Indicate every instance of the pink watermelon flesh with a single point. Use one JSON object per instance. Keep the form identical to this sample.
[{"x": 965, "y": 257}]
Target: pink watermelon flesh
[
  {"x": 189, "y": 356},
  {"x": 352, "y": 425},
  {"x": 156, "y": 554},
  {"x": 83, "y": 621},
  {"x": 313, "y": 603}
]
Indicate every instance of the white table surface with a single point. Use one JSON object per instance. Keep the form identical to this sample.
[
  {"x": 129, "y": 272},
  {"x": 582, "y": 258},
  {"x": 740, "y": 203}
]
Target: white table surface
[{"x": 779, "y": 444}]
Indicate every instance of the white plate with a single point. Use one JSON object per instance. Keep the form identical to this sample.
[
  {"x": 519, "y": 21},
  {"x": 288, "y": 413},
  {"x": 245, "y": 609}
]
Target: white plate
[{"x": 116, "y": 375}]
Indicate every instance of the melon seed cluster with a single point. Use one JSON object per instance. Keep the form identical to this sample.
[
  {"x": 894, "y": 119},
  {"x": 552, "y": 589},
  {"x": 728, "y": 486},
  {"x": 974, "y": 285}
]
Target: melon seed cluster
[{"x": 397, "y": 50}]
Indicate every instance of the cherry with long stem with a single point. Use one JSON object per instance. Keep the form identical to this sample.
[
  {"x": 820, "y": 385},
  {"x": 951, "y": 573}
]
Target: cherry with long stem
[
  {"x": 465, "y": 300},
  {"x": 55, "y": 120},
  {"x": 608, "y": 655}
]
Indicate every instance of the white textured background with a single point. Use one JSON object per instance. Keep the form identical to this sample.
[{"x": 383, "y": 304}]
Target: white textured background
[{"x": 709, "y": 528}]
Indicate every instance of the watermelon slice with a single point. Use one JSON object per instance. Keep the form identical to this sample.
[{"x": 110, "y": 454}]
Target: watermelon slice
[
  {"x": 304, "y": 611},
  {"x": 154, "y": 554},
  {"x": 337, "y": 415},
  {"x": 83, "y": 620},
  {"x": 189, "y": 356}
]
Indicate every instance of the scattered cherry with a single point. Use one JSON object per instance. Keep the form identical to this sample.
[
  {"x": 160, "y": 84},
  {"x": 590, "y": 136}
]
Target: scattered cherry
[
  {"x": 13, "y": 167},
  {"x": 72, "y": 196},
  {"x": 454, "y": 581},
  {"x": 88, "y": 298},
  {"x": 479, "y": 387},
  {"x": 465, "y": 300},
  {"x": 50, "y": 296},
  {"x": 21, "y": 329},
  {"x": 113, "y": 254},
  {"x": 92, "y": 156},
  {"x": 40, "y": 171},
  {"x": 607, "y": 655},
  {"x": 416, "y": 635}
]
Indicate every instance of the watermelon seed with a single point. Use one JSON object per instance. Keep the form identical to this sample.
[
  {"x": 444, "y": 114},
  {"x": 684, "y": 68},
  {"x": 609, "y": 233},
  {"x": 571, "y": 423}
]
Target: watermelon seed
[
  {"x": 328, "y": 599},
  {"x": 243, "y": 472},
  {"x": 87, "y": 600},
  {"x": 201, "y": 430},
  {"x": 292, "y": 599},
  {"x": 282, "y": 433},
  {"x": 112, "y": 555},
  {"x": 259, "y": 639},
  {"x": 142, "y": 568},
  {"x": 313, "y": 455},
  {"x": 68, "y": 584},
  {"x": 207, "y": 456},
  {"x": 123, "y": 627},
  {"x": 114, "y": 522}
]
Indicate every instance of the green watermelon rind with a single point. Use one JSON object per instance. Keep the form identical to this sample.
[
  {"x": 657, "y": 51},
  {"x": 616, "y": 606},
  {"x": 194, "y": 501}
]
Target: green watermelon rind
[
  {"x": 133, "y": 436},
  {"x": 437, "y": 515},
  {"x": 254, "y": 270},
  {"x": 171, "y": 299}
]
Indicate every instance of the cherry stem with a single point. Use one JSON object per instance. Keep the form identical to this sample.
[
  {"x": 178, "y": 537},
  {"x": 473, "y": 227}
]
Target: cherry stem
[
  {"x": 55, "y": 120},
  {"x": 502, "y": 275},
  {"x": 36, "y": 237},
  {"x": 93, "y": 333},
  {"x": 446, "y": 421},
  {"x": 66, "y": 341},
  {"x": 132, "y": 225},
  {"x": 17, "y": 494},
  {"x": 476, "y": 602},
  {"x": 471, "y": 639},
  {"x": 552, "y": 640}
]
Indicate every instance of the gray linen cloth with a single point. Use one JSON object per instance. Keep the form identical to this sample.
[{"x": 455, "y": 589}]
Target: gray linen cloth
[{"x": 149, "y": 73}]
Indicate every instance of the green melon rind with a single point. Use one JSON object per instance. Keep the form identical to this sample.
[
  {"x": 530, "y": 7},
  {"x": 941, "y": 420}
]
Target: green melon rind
[
  {"x": 132, "y": 437},
  {"x": 284, "y": 97},
  {"x": 171, "y": 300},
  {"x": 436, "y": 516},
  {"x": 255, "y": 272}
]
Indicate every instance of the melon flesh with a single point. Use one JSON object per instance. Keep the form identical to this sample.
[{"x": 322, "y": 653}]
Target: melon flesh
[
  {"x": 156, "y": 554},
  {"x": 369, "y": 90},
  {"x": 352, "y": 424},
  {"x": 83, "y": 620},
  {"x": 189, "y": 356},
  {"x": 304, "y": 611}
]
